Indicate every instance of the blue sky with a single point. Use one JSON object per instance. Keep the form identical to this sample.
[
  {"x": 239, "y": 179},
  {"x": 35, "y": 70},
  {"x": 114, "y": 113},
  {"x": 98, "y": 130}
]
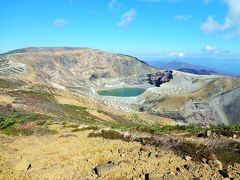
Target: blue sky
[{"x": 156, "y": 28}]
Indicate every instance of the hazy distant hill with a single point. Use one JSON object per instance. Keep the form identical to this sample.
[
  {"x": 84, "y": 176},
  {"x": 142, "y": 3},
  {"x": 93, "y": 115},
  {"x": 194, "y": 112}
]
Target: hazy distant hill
[{"x": 184, "y": 67}]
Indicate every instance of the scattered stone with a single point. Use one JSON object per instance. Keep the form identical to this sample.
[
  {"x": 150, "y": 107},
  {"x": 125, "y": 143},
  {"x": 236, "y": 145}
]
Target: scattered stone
[
  {"x": 196, "y": 178},
  {"x": 29, "y": 166},
  {"x": 83, "y": 126},
  {"x": 191, "y": 167},
  {"x": 144, "y": 148},
  {"x": 224, "y": 173},
  {"x": 236, "y": 165},
  {"x": 188, "y": 158},
  {"x": 103, "y": 169},
  {"x": 178, "y": 169},
  {"x": 204, "y": 160},
  {"x": 205, "y": 134},
  {"x": 152, "y": 155},
  {"x": 169, "y": 177},
  {"x": 209, "y": 133},
  {"x": 234, "y": 136},
  {"x": 120, "y": 151},
  {"x": 215, "y": 164},
  {"x": 153, "y": 176}
]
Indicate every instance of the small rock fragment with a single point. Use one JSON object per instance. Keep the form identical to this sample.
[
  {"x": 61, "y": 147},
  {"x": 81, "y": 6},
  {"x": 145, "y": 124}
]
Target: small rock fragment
[
  {"x": 188, "y": 158},
  {"x": 103, "y": 169},
  {"x": 153, "y": 176},
  {"x": 191, "y": 167},
  {"x": 209, "y": 133},
  {"x": 169, "y": 177},
  {"x": 234, "y": 136},
  {"x": 215, "y": 164},
  {"x": 204, "y": 160},
  {"x": 223, "y": 173}
]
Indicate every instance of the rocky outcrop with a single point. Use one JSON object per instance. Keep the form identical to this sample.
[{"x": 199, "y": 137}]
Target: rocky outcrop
[
  {"x": 8, "y": 68},
  {"x": 227, "y": 105},
  {"x": 159, "y": 78}
]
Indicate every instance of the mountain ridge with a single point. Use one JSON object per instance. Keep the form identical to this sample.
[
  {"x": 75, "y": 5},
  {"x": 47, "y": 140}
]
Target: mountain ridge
[{"x": 183, "y": 97}]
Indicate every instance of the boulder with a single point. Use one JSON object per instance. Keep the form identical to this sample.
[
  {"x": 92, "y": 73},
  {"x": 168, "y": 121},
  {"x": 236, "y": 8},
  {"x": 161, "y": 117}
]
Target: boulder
[
  {"x": 103, "y": 169},
  {"x": 159, "y": 78},
  {"x": 191, "y": 167},
  {"x": 223, "y": 173},
  {"x": 215, "y": 164}
]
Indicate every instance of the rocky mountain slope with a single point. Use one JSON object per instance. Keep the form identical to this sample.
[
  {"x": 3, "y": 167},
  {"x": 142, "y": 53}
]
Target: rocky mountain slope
[
  {"x": 55, "y": 125},
  {"x": 70, "y": 66},
  {"x": 184, "y": 97}
]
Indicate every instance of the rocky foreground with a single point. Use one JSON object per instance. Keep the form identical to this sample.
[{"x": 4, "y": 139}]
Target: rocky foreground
[{"x": 85, "y": 154}]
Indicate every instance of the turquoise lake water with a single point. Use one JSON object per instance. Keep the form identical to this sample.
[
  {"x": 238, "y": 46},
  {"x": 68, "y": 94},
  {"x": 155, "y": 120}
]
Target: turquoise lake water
[{"x": 122, "y": 92}]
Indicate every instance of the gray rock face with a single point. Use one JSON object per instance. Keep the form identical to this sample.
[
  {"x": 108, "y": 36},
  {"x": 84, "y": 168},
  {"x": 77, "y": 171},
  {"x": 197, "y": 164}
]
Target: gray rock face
[
  {"x": 8, "y": 68},
  {"x": 230, "y": 102},
  {"x": 200, "y": 112},
  {"x": 159, "y": 78}
]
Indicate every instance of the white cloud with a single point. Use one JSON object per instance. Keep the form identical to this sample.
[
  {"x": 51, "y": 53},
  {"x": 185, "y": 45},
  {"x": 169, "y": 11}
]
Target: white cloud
[
  {"x": 176, "y": 54},
  {"x": 209, "y": 49},
  {"x": 127, "y": 18},
  {"x": 183, "y": 17},
  {"x": 213, "y": 50},
  {"x": 114, "y": 5},
  {"x": 59, "y": 22},
  {"x": 231, "y": 21},
  {"x": 234, "y": 11},
  {"x": 211, "y": 25}
]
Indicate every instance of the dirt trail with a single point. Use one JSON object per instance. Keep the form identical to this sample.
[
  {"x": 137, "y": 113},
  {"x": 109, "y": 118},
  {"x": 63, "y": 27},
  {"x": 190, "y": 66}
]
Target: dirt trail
[{"x": 69, "y": 155}]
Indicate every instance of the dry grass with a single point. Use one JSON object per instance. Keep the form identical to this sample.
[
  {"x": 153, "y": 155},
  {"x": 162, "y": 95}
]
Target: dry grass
[{"x": 171, "y": 103}]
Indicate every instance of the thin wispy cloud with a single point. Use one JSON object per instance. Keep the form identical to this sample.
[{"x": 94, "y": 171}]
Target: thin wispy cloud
[
  {"x": 176, "y": 54},
  {"x": 114, "y": 5},
  {"x": 59, "y": 22},
  {"x": 209, "y": 49},
  {"x": 127, "y": 18},
  {"x": 183, "y": 17},
  {"x": 213, "y": 50},
  {"x": 231, "y": 21}
]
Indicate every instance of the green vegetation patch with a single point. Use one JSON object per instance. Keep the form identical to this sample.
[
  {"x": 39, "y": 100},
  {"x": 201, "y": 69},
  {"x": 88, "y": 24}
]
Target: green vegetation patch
[
  {"x": 221, "y": 129},
  {"x": 228, "y": 156},
  {"x": 78, "y": 115},
  {"x": 226, "y": 130},
  {"x": 38, "y": 95},
  {"x": 24, "y": 123},
  {"x": 194, "y": 129},
  {"x": 16, "y": 118},
  {"x": 7, "y": 84}
]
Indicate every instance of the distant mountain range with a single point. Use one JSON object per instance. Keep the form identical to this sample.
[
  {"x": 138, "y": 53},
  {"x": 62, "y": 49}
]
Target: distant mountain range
[{"x": 184, "y": 67}]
